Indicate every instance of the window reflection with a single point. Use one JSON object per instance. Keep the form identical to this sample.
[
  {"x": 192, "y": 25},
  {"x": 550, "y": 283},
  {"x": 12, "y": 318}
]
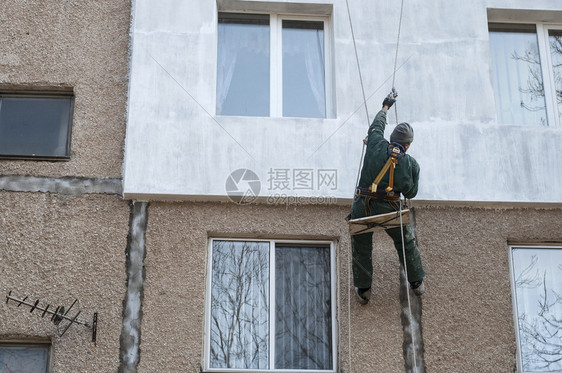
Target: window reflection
[
  {"x": 240, "y": 305},
  {"x": 538, "y": 292},
  {"x": 304, "y": 92},
  {"x": 23, "y": 358},
  {"x": 517, "y": 75},
  {"x": 35, "y": 126},
  {"x": 303, "y": 308},
  {"x": 555, "y": 41},
  {"x": 243, "y": 64},
  {"x": 240, "y": 326}
]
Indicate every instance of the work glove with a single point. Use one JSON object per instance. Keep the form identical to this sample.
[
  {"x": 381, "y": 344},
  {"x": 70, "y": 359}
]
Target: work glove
[{"x": 389, "y": 101}]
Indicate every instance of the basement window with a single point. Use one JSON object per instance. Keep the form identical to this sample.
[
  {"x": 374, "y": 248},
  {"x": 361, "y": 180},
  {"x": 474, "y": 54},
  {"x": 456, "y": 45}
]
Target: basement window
[
  {"x": 536, "y": 274},
  {"x": 271, "y": 306},
  {"x": 24, "y": 357},
  {"x": 35, "y": 126}
]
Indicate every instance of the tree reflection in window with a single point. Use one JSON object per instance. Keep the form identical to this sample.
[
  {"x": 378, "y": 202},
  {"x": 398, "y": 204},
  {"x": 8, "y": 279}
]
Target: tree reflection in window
[
  {"x": 299, "y": 334},
  {"x": 517, "y": 75},
  {"x": 538, "y": 292},
  {"x": 555, "y": 41},
  {"x": 303, "y": 308},
  {"x": 240, "y": 305}
]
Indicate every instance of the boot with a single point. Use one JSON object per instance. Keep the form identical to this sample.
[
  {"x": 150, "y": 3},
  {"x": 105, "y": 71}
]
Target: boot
[
  {"x": 418, "y": 287},
  {"x": 363, "y": 294}
]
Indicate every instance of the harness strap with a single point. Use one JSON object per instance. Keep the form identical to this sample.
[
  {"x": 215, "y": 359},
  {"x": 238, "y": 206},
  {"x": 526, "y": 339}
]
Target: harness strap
[
  {"x": 394, "y": 155},
  {"x": 391, "y": 176},
  {"x": 380, "y": 195}
]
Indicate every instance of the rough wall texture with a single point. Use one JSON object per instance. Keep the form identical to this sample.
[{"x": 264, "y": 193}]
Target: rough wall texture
[
  {"x": 57, "y": 248},
  {"x": 467, "y": 306},
  {"x": 77, "y": 45},
  {"x": 468, "y": 323},
  {"x": 176, "y": 266}
]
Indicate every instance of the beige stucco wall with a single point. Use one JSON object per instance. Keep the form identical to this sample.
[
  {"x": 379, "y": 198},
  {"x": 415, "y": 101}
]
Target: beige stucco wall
[
  {"x": 57, "y": 248},
  {"x": 468, "y": 322},
  {"x": 77, "y": 45},
  {"x": 176, "y": 265},
  {"x": 467, "y": 312}
]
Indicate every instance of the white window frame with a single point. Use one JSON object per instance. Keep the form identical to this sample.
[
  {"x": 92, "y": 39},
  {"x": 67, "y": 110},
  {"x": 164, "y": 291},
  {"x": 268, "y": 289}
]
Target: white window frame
[
  {"x": 276, "y": 61},
  {"x": 519, "y": 358},
  {"x": 553, "y": 119},
  {"x": 272, "y": 243}
]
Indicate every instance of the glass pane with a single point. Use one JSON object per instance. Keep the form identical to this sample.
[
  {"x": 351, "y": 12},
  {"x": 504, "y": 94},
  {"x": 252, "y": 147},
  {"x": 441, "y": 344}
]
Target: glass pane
[
  {"x": 243, "y": 65},
  {"x": 24, "y": 358},
  {"x": 32, "y": 126},
  {"x": 240, "y": 305},
  {"x": 303, "y": 321},
  {"x": 517, "y": 76},
  {"x": 555, "y": 40},
  {"x": 304, "y": 91},
  {"x": 538, "y": 287}
]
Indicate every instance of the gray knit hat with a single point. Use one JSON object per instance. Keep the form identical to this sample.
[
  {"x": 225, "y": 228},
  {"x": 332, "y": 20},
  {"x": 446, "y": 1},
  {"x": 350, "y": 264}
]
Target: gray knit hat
[{"x": 403, "y": 134}]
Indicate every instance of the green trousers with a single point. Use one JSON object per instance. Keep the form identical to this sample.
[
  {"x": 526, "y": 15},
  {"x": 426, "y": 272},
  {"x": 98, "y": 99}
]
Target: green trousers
[{"x": 362, "y": 246}]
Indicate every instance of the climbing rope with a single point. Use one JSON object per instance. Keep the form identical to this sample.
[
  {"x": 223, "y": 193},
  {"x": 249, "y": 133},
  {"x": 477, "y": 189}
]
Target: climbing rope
[
  {"x": 401, "y": 222},
  {"x": 410, "y": 316},
  {"x": 349, "y": 317},
  {"x": 359, "y": 173},
  {"x": 356, "y": 182},
  {"x": 357, "y": 61},
  {"x": 397, "y": 44},
  {"x": 408, "y": 292},
  {"x": 362, "y": 88},
  {"x": 396, "y": 58}
]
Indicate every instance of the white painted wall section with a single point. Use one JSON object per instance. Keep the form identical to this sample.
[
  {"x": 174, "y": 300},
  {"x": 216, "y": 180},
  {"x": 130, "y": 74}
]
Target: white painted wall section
[{"x": 178, "y": 148}]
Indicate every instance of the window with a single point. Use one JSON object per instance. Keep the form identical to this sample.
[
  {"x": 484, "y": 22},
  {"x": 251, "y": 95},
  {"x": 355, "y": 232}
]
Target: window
[
  {"x": 24, "y": 358},
  {"x": 35, "y": 126},
  {"x": 272, "y": 65},
  {"x": 527, "y": 73},
  {"x": 537, "y": 289},
  {"x": 271, "y": 306}
]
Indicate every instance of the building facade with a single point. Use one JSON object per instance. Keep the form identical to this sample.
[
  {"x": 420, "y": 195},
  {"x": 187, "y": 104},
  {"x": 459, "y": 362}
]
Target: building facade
[
  {"x": 64, "y": 225},
  {"x": 197, "y": 161}
]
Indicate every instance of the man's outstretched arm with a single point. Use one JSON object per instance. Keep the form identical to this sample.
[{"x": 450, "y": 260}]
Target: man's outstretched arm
[{"x": 379, "y": 124}]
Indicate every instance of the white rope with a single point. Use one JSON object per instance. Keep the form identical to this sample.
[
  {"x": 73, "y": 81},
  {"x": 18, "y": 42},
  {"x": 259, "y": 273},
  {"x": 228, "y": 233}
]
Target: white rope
[
  {"x": 362, "y": 88},
  {"x": 396, "y": 57},
  {"x": 408, "y": 291},
  {"x": 397, "y": 43},
  {"x": 357, "y": 182},
  {"x": 360, "y": 165},
  {"x": 349, "y": 317},
  {"x": 357, "y": 60},
  {"x": 410, "y": 316}
]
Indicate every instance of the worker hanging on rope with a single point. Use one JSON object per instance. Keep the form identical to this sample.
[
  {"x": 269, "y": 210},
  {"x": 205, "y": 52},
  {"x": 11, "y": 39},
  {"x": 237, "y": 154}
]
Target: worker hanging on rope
[{"x": 378, "y": 192}]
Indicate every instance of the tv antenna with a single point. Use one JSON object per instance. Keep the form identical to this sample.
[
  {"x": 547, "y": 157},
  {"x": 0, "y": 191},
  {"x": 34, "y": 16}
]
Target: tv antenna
[{"x": 59, "y": 315}]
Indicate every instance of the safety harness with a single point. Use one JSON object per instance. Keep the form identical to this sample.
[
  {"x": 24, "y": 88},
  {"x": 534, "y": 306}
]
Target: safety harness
[{"x": 395, "y": 152}]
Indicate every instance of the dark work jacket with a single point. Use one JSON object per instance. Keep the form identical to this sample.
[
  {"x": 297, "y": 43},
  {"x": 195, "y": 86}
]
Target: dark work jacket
[{"x": 407, "y": 171}]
